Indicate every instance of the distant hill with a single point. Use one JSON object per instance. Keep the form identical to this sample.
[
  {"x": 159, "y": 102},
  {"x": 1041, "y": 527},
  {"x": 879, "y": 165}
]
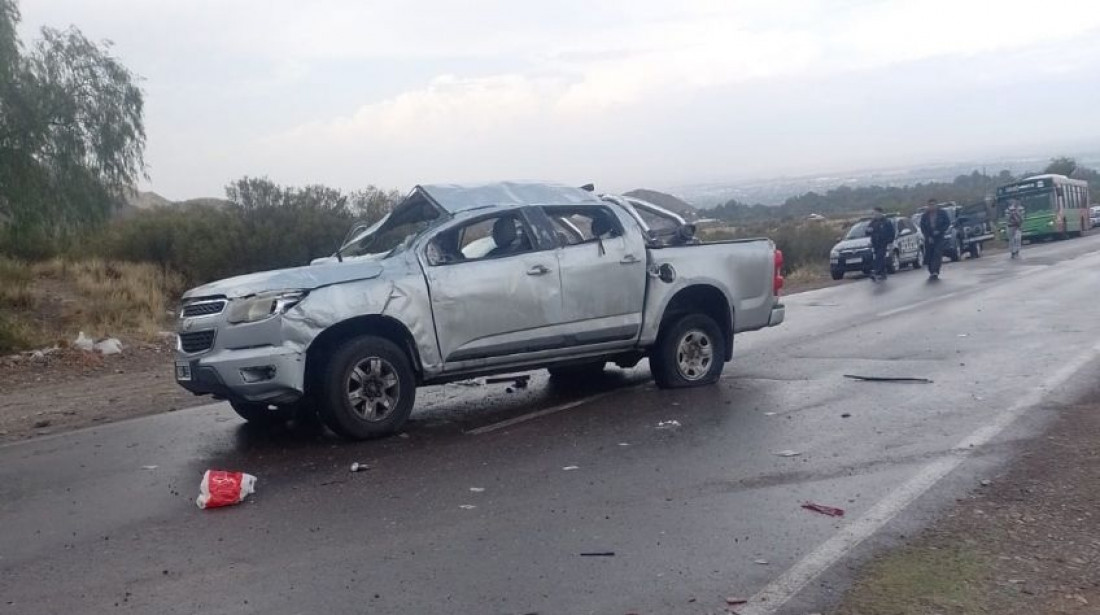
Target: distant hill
[
  {"x": 667, "y": 201},
  {"x": 144, "y": 201}
]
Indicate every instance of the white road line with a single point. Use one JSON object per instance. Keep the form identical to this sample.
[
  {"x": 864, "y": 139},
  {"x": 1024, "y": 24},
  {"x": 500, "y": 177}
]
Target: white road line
[
  {"x": 540, "y": 413},
  {"x": 787, "y": 585}
]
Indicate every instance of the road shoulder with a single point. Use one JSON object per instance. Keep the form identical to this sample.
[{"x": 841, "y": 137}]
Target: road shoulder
[{"x": 1024, "y": 542}]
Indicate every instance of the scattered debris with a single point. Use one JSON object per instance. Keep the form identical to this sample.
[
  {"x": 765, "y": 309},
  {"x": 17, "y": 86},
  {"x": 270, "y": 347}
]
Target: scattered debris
[
  {"x": 599, "y": 554},
  {"x": 888, "y": 379},
  {"x": 571, "y": 468},
  {"x": 963, "y": 335},
  {"x": 149, "y": 467},
  {"x": 668, "y": 425},
  {"x": 762, "y": 562},
  {"x": 770, "y": 413},
  {"x": 477, "y": 489},
  {"x": 624, "y": 444},
  {"x": 359, "y": 467},
  {"x": 468, "y": 383},
  {"x": 519, "y": 382},
  {"x": 986, "y": 482},
  {"x": 846, "y": 415},
  {"x": 788, "y": 453},
  {"x": 108, "y": 346},
  {"x": 403, "y": 435},
  {"x": 41, "y": 424},
  {"x": 825, "y": 510},
  {"x": 467, "y": 506},
  {"x": 734, "y": 600},
  {"x": 83, "y": 342},
  {"x": 222, "y": 488}
]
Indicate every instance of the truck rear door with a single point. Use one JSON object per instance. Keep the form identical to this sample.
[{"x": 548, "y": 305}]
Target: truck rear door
[{"x": 603, "y": 272}]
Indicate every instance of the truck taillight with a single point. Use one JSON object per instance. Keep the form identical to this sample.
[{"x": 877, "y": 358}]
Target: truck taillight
[{"x": 777, "y": 279}]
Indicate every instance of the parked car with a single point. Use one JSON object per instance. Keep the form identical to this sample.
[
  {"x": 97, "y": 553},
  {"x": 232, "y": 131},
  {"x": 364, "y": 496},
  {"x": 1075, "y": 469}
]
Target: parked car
[
  {"x": 1094, "y": 216},
  {"x": 853, "y": 252},
  {"x": 458, "y": 282},
  {"x": 971, "y": 226}
]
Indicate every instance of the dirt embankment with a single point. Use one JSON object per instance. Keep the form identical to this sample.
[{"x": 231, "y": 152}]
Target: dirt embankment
[{"x": 1026, "y": 543}]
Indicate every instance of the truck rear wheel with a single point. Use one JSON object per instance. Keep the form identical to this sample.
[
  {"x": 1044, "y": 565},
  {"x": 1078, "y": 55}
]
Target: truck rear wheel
[
  {"x": 367, "y": 389},
  {"x": 690, "y": 351}
]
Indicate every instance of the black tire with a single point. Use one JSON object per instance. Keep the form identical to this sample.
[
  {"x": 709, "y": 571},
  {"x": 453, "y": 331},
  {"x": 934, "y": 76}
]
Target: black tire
[
  {"x": 258, "y": 413},
  {"x": 837, "y": 273},
  {"x": 956, "y": 252},
  {"x": 666, "y": 358},
  {"x": 894, "y": 264},
  {"x": 918, "y": 262},
  {"x": 566, "y": 374},
  {"x": 976, "y": 249},
  {"x": 384, "y": 372}
]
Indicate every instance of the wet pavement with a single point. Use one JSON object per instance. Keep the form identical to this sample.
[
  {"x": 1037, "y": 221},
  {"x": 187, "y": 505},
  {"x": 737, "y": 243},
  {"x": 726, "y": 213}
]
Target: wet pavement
[{"x": 473, "y": 510}]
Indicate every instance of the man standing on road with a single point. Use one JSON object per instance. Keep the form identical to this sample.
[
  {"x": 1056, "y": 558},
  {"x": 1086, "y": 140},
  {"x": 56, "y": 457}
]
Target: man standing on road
[
  {"x": 882, "y": 233},
  {"x": 1014, "y": 220},
  {"x": 934, "y": 223}
]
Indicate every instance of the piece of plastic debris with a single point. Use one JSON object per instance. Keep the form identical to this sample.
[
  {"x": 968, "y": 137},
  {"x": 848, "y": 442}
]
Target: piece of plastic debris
[
  {"x": 734, "y": 600},
  {"x": 83, "y": 342},
  {"x": 222, "y": 488},
  {"x": 788, "y": 453},
  {"x": 825, "y": 510},
  {"x": 668, "y": 425},
  {"x": 108, "y": 346},
  {"x": 762, "y": 562},
  {"x": 963, "y": 335},
  {"x": 845, "y": 415},
  {"x": 888, "y": 379},
  {"x": 599, "y": 554},
  {"x": 571, "y": 468},
  {"x": 520, "y": 382},
  {"x": 359, "y": 467},
  {"x": 509, "y": 390},
  {"x": 770, "y": 413},
  {"x": 149, "y": 467},
  {"x": 467, "y": 506},
  {"x": 986, "y": 482},
  {"x": 624, "y": 444},
  {"x": 403, "y": 435},
  {"x": 477, "y": 489}
]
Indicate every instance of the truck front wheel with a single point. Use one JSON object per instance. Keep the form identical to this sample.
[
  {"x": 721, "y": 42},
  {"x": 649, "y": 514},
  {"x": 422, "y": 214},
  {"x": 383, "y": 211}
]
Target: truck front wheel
[
  {"x": 368, "y": 389},
  {"x": 690, "y": 351}
]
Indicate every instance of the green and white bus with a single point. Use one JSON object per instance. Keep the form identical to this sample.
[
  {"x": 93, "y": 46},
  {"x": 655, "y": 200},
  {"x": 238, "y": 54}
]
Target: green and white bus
[{"x": 1054, "y": 206}]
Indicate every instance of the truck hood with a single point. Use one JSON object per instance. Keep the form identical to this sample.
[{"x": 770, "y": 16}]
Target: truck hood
[
  {"x": 853, "y": 244},
  {"x": 297, "y": 278}
]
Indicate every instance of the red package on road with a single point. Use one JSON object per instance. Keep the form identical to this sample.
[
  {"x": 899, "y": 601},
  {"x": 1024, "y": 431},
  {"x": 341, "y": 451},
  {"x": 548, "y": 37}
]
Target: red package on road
[{"x": 221, "y": 488}]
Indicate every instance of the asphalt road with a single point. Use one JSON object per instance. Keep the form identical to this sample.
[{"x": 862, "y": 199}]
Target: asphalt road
[{"x": 103, "y": 520}]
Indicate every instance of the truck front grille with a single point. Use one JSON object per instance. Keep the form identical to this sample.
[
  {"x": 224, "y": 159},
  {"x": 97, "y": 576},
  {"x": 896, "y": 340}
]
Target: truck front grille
[
  {"x": 196, "y": 341},
  {"x": 203, "y": 308}
]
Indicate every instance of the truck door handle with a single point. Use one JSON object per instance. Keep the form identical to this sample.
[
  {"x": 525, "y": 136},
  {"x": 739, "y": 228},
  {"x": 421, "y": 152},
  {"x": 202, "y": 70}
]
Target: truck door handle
[
  {"x": 629, "y": 259},
  {"x": 538, "y": 270}
]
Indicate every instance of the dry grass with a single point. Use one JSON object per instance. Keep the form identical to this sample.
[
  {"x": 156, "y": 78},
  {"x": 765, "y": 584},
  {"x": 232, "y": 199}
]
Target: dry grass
[
  {"x": 114, "y": 298},
  {"x": 52, "y": 300}
]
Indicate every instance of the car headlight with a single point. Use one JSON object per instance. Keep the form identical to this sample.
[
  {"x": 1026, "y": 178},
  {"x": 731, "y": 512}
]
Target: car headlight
[
  {"x": 264, "y": 305},
  {"x": 833, "y": 253}
]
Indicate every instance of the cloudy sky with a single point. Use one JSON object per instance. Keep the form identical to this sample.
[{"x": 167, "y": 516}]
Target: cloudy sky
[{"x": 619, "y": 92}]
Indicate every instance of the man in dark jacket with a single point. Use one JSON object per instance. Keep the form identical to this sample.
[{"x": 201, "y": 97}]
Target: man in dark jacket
[
  {"x": 934, "y": 223},
  {"x": 883, "y": 233}
]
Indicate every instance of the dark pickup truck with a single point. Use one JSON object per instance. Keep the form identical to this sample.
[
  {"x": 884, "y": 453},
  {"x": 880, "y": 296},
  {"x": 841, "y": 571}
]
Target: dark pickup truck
[{"x": 971, "y": 226}]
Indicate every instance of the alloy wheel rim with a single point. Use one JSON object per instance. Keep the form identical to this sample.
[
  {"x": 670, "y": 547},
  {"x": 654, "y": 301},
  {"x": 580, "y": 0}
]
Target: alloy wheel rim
[{"x": 373, "y": 389}]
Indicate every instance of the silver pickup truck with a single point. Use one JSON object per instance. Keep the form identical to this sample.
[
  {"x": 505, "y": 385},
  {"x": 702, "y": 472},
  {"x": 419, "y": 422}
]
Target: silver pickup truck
[{"x": 464, "y": 281}]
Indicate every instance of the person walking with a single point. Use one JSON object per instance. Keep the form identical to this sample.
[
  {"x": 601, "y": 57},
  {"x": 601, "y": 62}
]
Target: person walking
[
  {"x": 934, "y": 223},
  {"x": 1014, "y": 221},
  {"x": 882, "y": 233}
]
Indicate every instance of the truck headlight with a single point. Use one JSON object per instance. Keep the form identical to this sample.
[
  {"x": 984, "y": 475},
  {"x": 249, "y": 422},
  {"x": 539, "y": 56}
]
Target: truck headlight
[
  {"x": 264, "y": 305},
  {"x": 833, "y": 253}
]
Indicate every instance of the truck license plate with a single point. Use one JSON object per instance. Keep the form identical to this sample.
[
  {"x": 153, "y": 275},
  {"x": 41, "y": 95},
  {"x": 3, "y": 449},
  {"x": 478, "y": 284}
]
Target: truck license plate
[{"x": 183, "y": 371}]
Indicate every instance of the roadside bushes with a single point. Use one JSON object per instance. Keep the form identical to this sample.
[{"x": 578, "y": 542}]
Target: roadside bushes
[{"x": 805, "y": 243}]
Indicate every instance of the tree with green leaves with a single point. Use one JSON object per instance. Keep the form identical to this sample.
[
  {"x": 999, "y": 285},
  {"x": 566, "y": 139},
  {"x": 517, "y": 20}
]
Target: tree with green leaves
[
  {"x": 72, "y": 137},
  {"x": 1062, "y": 165}
]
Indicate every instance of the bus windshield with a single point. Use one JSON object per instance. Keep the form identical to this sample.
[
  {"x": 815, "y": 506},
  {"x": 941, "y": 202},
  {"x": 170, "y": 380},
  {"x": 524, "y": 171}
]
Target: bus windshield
[{"x": 1032, "y": 203}]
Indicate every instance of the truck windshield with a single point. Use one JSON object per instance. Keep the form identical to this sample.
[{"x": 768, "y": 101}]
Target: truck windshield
[{"x": 394, "y": 233}]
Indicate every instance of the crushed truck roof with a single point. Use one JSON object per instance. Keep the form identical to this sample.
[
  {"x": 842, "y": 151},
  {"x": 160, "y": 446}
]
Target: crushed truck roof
[{"x": 455, "y": 198}]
